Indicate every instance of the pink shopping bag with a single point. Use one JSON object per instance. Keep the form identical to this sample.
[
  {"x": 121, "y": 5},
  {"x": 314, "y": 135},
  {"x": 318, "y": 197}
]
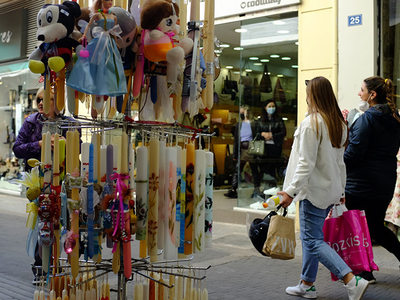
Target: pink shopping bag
[{"x": 347, "y": 233}]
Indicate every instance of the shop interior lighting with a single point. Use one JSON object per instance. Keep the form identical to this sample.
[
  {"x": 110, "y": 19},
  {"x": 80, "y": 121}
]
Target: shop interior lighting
[
  {"x": 238, "y": 48},
  {"x": 218, "y": 51},
  {"x": 295, "y": 66},
  {"x": 286, "y": 58},
  {"x": 284, "y": 119},
  {"x": 264, "y": 60},
  {"x": 296, "y": 43},
  {"x": 253, "y": 58},
  {"x": 236, "y": 72},
  {"x": 249, "y": 70},
  {"x": 241, "y": 30},
  {"x": 265, "y": 33},
  {"x": 224, "y": 46},
  {"x": 229, "y": 67},
  {"x": 258, "y": 64},
  {"x": 279, "y": 75},
  {"x": 274, "y": 56}
]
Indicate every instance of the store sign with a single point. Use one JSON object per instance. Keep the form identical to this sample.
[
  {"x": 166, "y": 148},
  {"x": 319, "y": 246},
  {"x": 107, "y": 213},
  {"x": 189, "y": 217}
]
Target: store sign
[
  {"x": 239, "y": 7},
  {"x": 11, "y": 28}
]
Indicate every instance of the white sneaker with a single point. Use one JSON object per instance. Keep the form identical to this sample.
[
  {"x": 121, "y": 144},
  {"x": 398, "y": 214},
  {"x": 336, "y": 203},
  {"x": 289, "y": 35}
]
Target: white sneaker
[
  {"x": 272, "y": 191},
  {"x": 302, "y": 290},
  {"x": 356, "y": 288}
]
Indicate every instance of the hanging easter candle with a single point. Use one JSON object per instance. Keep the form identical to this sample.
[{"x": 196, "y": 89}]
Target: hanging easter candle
[
  {"x": 208, "y": 220},
  {"x": 126, "y": 240},
  {"x": 47, "y": 190},
  {"x": 90, "y": 209},
  {"x": 183, "y": 205},
  {"x": 103, "y": 163},
  {"x": 61, "y": 158},
  {"x": 208, "y": 48},
  {"x": 95, "y": 138},
  {"x": 85, "y": 161},
  {"x": 199, "y": 199},
  {"x": 74, "y": 255},
  {"x": 178, "y": 195},
  {"x": 141, "y": 197},
  {"x": 162, "y": 196},
  {"x": 97, "y": 159},
  {"x": 189, "y": 199},
  {"x": 154, "y": 154},
  {"x": 131, "y": 168},
  {"x": 170, "y": 252},
  {"x": 56, "y": 184},
  {"x": 110, "y": 165}
]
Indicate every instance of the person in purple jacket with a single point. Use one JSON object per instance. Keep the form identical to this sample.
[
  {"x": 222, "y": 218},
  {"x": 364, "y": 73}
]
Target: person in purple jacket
[{"x": 29, "y": 145}]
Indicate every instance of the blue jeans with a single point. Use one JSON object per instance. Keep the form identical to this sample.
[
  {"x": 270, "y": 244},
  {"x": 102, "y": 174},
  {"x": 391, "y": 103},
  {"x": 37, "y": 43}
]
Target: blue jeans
[{"x": 315, "y": 250}]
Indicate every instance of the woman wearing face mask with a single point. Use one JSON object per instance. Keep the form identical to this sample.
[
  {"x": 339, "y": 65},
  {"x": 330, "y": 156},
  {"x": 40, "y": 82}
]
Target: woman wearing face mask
[
  {"x": 371, "y": 160},
  {"x": 243, "y": 134},
  {"x": 272, "y": 129}
]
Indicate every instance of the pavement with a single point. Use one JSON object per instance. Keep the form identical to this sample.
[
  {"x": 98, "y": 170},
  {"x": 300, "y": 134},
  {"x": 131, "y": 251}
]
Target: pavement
[{"x": 237, "y": 270}]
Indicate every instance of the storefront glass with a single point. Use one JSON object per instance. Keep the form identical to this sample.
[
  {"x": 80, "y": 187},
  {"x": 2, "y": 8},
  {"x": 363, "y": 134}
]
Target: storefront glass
[{"x": 258, "y": 71}]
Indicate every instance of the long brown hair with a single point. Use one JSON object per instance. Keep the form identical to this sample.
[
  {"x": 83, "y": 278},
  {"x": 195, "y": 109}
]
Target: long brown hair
[
  {"x": 384, "y": 92},
  {"x": 322, "y": 100}
]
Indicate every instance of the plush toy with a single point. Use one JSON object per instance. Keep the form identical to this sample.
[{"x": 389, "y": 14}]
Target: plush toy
[
  {"x": 128, "y": 46},
  {"x": 159, "y": 21},
  {"x": 55, "y": 23}
]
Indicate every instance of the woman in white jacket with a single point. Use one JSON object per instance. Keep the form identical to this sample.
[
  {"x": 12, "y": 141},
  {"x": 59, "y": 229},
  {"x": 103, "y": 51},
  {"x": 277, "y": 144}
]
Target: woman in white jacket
[{"x": 316, "y": 177}]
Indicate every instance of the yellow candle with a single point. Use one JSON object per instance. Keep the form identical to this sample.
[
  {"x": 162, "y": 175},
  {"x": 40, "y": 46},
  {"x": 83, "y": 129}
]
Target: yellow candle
[
  {"x": 56, "y": 182},
  {"x": 153, "y": 197},
  {"x": 56, "y": 159},
  {"x": 188, "y": 244}
]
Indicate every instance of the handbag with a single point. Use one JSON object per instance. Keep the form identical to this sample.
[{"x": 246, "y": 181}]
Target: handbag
[
  {"x": 281, "y": 238},
  {"x": 346, "y": 231},
  {"x": 256, "y": 147},
  {"x": 230, "y": 87},
  {"x": 265, "y": 83},
  {"x": 259, "y": 229}
]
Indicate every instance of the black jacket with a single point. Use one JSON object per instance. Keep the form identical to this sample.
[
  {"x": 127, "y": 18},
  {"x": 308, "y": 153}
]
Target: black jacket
[
  {"x": 278, "y": 129},
  {"x": 370, "y": 157}
]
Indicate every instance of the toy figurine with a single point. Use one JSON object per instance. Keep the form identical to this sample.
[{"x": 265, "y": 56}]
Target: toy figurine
[{"x": 101, "y": 73}]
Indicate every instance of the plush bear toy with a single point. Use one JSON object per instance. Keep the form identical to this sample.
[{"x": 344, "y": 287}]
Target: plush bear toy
[
  {"x": 159, "y": 21},
  {"x": 55, "y": 23}
]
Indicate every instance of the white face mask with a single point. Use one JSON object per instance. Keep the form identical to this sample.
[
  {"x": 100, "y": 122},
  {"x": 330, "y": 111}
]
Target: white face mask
[{"x": 364, "y": 105}]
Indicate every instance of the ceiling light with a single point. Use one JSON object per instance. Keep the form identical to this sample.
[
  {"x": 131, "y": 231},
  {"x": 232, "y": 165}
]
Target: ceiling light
[
  {"x": 295, "y": 66},
  {"x": 274, "y": 56},
  {"x": 269, "y": 73},
  {"x": 253, "y": 58},
  {"x": 279, "y": 75},
  {"x": 264, "y": 60},
  {"x": 240, "y": 30},
  {"x": 238, "y": 48},
  {"x": 236, "y": 72},
  {"x": 218, "y": 55},
  {"x": 229, "y": 67},
  {"x": 284, "y": 119},
  {"x": 258, "y": 64},
  {"x": 224, "y": 45},
  {"x": 278, "y": 22},
  {"x": 1, "y": 82},
  {"x": 218, "y": 51},
  {"x": 283, "y": 31},
  {"x": 296, "y": 43},
  {"x": 249, "y": 70},
  {"x": 286, "y": 58}
]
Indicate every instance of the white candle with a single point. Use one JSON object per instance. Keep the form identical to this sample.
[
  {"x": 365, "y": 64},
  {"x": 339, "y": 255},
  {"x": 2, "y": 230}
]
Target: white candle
[
  {"x": 47, "y": 162},
  {"x": 178, "y": 195},
  {"x": 141, "y": 192},
  {"x": 117, "y": 143},
  {"x": 94, "y": 142},
  {"x": 85, "y": 161},
  {"x": 209, "y": 198},
  {"x": 103, "y": 163},
  {"x": 199, "y": 200},
  {"x": 170, "y": 251},
  {"x": 183, "y": 203},
  {"x": 131, "y": 168},
  {"x": 162, "y": 196}
]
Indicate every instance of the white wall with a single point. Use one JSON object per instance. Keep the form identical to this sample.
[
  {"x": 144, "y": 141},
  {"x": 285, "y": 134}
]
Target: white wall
[{"x": 357, "y": 49}]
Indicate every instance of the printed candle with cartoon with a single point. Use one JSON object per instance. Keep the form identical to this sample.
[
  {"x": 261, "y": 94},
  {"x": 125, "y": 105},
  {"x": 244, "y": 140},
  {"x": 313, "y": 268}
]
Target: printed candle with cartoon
[{"x": 199, "y": 199}]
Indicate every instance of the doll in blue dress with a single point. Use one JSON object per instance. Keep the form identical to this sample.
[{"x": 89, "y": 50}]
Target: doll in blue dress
[{"x": 102, "y": 73}]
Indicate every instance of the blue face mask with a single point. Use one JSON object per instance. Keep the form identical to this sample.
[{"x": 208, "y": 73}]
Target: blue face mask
[{"x": 271, "y": 110}]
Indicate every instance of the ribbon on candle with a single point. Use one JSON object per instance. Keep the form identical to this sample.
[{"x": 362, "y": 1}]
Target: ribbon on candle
[{"x": 120, "y": 186}]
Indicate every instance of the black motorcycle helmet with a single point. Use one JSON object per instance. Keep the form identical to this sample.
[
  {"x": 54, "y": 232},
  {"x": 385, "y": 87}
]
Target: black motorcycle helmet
[{"x": 259, "y": 230}]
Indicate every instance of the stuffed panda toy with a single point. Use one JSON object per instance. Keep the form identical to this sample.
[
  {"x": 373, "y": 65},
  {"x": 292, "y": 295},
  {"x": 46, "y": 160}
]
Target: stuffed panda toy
[{"x": 55, "y": 23}]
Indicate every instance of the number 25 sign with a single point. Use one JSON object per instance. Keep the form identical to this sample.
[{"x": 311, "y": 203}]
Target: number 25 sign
[{"x": 354, "y": 20}]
